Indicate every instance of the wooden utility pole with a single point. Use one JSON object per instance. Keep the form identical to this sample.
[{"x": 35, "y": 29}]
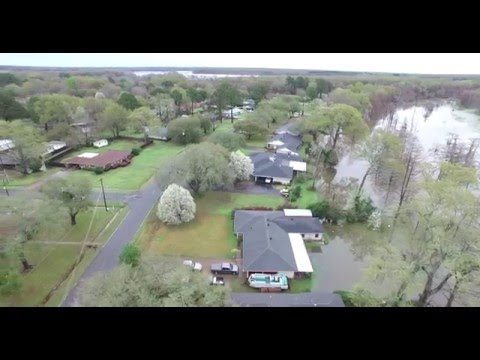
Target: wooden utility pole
[{"x": 103, "y": 192}]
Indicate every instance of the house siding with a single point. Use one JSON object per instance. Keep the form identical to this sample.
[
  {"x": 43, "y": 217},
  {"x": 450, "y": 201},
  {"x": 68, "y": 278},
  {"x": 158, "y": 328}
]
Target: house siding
[
  {"x": 311, "y": 236},
  {"x": 283, "y": 181}
]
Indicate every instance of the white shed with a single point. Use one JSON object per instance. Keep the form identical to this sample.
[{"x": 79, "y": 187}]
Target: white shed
[{"x": 100, "y": 143}]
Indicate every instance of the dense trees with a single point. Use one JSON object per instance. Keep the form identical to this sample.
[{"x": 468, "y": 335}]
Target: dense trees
[
  {"x": 128, "y": 101},
  {"x": 226, "y": 95},
  {"x": 250, "y": 129},
  {"x": 201, "y": 168},
  {"x": 114, "y": 119},
  {"x": 176, "y": 206},
  {"x": 142, "y": 119},
  {"x": 10, "y": 108},
  {"x": 27, "y": 141},
  {"x": 229, "y": 140},
  {"x": 185, "y": 130},
  {"x": 74, "y": 193},
  {"x": 154, "y": 282},
  {"x": 33, "y": 219}
]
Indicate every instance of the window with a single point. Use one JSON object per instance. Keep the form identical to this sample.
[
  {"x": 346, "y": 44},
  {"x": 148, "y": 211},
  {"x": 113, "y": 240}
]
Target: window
[{"x": 316, "y": 235}]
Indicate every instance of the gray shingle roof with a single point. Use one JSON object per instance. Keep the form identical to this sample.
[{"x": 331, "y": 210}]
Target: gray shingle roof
[
  {"x": 312, "y": 299},
  {"x": 299, "y": 224},
  {"x": 292, "y": 142},
  {"x": 273, "y": 165},
  {"x": 266, "y": 243},
  {"x": 266, "y": 247}
]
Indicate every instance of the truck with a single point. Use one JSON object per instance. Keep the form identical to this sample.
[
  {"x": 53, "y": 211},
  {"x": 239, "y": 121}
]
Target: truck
[
  {"x": 265, "y": 281},
  {"x": 224, "y": 268}
]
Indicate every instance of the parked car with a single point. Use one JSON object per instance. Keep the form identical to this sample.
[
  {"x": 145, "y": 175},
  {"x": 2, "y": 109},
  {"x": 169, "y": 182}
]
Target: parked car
[
  {"x": 195, "y": 266},
  {"x": 284, "y": 192},
  {"x": 217, "y": 280},
  {"x": 224, "y": 268}
]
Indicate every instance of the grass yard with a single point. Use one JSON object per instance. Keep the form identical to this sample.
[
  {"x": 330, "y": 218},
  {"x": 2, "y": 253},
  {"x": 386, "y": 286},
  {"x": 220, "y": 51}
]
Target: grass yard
[
  {"x": 209, "y": 235},
  {"x": 301, "y": 285},
  {"x": 53, "y": 262},
  {"x": 308, "y": 196},
  {"x": 16, "y": 178},
  {"x": 133, "y": 176}
]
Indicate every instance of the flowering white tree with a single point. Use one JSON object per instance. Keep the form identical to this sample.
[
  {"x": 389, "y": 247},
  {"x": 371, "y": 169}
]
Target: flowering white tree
[
  {"x": 241, "y": 165},
  {"x": 176, "y": 206},
  {"x": 375, "y": 220}
]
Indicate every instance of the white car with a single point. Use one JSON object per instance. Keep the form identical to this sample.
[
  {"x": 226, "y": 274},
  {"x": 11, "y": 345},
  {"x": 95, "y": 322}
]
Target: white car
[
  {"x": 284, "y": 192},
  {"x": 195, "y": 266}
]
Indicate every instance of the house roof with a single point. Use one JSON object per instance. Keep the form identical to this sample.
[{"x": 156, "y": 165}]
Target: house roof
[
  {"x": 311, "y": 299},
  {"x": 289, "y": 140},
  {"x": 272, "y": 165},
  {"x": 103, "y": 159},
  {"x": 6, "y": 144},
  {"x": 7, "y": 159},
  {"x": 267, "y": 244}
]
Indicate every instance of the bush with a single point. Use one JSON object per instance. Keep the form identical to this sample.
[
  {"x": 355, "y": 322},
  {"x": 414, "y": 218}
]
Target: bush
[
  {"x": 323, "y": 209},
  {"x": 10, "y": 281},
  {"x": 136, "y": 151},
  {"x": 300, "y": 179},
  {"x": 361, "y": 211},
  {"x": 35, "y": 164},
  {"x": 130, "y": 255},
  {"x": 98, "y": 170},
  {"x": 295, "y": 193}
]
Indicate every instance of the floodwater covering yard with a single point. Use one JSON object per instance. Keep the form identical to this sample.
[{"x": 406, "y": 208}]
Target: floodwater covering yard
[{"x": 341, "y": 263}]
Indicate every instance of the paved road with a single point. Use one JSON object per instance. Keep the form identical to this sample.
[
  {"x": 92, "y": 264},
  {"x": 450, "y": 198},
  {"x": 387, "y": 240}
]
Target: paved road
[{"x": 107, "y": 258}]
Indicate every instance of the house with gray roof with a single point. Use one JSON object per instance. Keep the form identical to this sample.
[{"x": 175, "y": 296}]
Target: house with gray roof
[
  {"x": 273, "y": 241},
  {"x": 311, "y": 299},
  {"x": 276, "y": 168},
  {"x": 285, "y": 142}
]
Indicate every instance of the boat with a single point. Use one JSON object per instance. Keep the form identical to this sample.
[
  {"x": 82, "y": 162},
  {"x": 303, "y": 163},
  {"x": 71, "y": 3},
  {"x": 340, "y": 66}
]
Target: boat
[{"x": 264, "y": 281}]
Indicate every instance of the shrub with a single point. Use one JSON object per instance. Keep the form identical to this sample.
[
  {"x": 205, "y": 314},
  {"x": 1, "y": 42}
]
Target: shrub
[
  {"x": 361, "y": 211},
  {"x": 136, "y": 151},
  {"x": 300, "y": 179},
  {"x": 130, "y": 255},
  {"x": 98, "y": 170},
  {"x": 295, "y": 193},
  {"x": 35, "y": 164}
]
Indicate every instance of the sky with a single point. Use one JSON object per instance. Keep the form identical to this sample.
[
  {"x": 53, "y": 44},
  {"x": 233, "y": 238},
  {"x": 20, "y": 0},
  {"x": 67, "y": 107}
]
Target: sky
[{"x": 431, "y": 63}]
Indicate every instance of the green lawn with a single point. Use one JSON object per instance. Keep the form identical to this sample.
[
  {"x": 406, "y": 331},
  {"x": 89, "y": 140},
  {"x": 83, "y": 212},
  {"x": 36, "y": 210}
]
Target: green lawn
[
  {"x": 53, "y": 262},
  {"x": 209, "y": 235},
  {"x": 16, "y": 178},
  {"x": 301, "y": 285},
  {"x": 125, "y": 145},
  {"x": 133, "y": 176},
  {"x": 308, "y": 196}
]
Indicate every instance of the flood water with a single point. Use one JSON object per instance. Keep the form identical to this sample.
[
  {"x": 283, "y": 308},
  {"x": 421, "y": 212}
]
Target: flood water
[{"x": 337, "y": 268}]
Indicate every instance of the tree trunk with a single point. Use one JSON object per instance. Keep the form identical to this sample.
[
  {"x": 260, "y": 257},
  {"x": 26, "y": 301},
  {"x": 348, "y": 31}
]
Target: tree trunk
[
  {"x": 192, "y": 107},
  {"x": 46, "y": 126},
  {"x": 73, "y": 218},
  {"x": 231, "y": 115},
  {"x": 26, "y": 265},
  {"x": 405, "y": 182},
  {"x": 390, "y": 180},
  {"x": 428, "y": 292},
  {"x": 452, "y": 295},
  {"x": 335, "y": 138},
  {"x": 363, "y": 179}
]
